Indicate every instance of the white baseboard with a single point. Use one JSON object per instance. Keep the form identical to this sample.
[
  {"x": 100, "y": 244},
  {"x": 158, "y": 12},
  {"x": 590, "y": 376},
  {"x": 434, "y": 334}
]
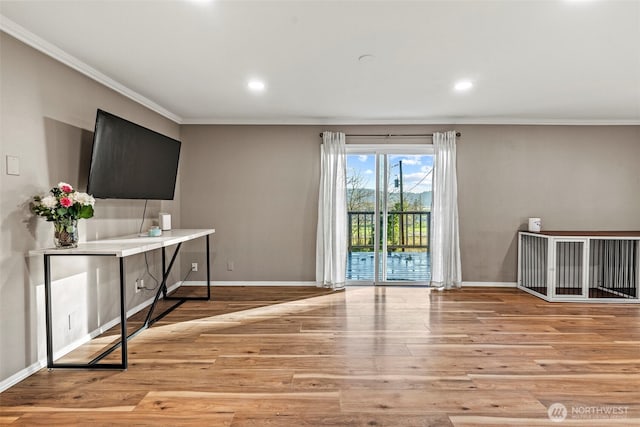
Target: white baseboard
[
  {"x": 22, "y": 374},
  {"x": 489, "y": 284},
  {"x": 247, "y": 283},
  {"x": 35, "y": 367}
]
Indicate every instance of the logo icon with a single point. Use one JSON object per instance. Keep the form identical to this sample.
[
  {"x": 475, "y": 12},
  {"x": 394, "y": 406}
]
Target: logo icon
[{"x": 557, "y": 412}]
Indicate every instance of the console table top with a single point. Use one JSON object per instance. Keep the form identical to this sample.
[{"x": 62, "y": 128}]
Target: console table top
[{"x": 123, "y": 246}]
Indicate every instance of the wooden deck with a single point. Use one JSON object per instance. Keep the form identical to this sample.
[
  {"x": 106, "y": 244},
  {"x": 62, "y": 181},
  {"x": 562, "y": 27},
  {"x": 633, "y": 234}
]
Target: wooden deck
[{"x": 395, "y": 356}]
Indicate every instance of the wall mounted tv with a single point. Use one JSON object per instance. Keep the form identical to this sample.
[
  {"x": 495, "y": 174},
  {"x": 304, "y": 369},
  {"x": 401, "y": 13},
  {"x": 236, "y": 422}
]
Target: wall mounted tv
[{"x": 129, "y": 161}]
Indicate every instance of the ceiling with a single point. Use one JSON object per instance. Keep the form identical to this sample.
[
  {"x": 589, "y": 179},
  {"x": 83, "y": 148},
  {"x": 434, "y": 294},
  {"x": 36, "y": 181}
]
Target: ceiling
[{"x": 550, "y": 61}]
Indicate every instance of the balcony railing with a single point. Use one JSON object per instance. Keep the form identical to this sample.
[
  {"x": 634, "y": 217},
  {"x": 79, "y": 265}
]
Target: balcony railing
[{"x": 405, "y": 230}]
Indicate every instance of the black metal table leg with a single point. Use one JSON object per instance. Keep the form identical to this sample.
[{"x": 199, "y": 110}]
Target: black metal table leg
[
  {"x": 164, "y": 270},
  {"x": 47, "y": 307},
  {"x": 208, "y": 271},
  {"x": 93, "y": 364},
  {"x": 123, "y": 315}
]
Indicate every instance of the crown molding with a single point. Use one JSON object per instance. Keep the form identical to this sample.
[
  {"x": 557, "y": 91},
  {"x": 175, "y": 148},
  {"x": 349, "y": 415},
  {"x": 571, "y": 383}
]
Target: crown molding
[
  {"x": 441, "y": 121},
  {"x": 310, "y": 121},
  {"x": 38, "y": 43},
  {"x": 546, "y": 122}
]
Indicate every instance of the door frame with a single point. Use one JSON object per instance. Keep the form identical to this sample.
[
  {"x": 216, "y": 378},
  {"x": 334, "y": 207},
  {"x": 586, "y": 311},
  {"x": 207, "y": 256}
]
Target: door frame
[{"x": 377, "y": 150}]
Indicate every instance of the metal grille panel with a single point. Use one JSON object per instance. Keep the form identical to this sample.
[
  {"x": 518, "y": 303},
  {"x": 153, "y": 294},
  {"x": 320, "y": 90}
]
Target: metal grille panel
[
  {"x": 613, "y": 268},
  {"x": 533, "y": 263},
  {"x": 569, "y": 268}
]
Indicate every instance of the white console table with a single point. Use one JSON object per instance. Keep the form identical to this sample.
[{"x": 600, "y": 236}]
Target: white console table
[{"x": 123, "y": 247}]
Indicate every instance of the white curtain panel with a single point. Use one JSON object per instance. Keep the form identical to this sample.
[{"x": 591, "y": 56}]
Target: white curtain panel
[
  {"x": 446, "y": 269},
  {"x": 331, "y": 246}
]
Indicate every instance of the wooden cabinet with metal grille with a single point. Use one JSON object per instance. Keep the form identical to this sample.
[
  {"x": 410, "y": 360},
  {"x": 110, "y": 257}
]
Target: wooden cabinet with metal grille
[{"x": 602, "y": 266}]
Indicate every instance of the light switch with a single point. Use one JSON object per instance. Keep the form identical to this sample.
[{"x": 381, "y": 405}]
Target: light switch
[{"x": 13, "y": 165}]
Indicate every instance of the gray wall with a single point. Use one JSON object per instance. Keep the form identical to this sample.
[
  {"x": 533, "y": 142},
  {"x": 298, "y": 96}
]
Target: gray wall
[
  {"x": 47, "y": 114},
  {"x": 573, "y": 177},
  {"x": 257, "y": 185}
]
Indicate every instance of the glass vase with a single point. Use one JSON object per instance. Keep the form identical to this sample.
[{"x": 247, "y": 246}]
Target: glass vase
[{"x": 65, "y": 233}]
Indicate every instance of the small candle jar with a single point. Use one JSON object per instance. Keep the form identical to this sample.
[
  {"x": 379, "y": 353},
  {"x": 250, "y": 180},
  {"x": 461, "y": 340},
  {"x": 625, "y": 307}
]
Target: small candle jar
[{"x": 155, "y": 231}]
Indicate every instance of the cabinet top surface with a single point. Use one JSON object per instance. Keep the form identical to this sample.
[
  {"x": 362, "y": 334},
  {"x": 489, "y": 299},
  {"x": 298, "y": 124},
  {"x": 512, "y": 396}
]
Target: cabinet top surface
[
  {"x": 586, "y": 233},
  {"x": 123, "y": 246}
]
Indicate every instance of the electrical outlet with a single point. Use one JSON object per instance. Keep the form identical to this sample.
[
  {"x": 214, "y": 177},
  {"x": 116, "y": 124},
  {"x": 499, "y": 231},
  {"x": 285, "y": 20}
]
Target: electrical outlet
[
  {"x": 139, "y": 285},
  {"x": 194, "y": 266},
  {"x": 230, "y": 266}
]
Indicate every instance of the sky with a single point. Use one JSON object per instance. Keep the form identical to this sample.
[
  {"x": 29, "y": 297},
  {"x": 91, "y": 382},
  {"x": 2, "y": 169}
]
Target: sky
[{"x": 415, "y": 170}]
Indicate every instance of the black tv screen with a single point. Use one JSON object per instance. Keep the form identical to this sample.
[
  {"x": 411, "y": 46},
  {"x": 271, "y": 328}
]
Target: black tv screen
[{"x": 129, "y": 161}]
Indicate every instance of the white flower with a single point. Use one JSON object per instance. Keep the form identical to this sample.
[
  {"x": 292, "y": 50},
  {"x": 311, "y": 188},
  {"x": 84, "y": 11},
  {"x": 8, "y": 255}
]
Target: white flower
[
  {"x": 83, "y": 198},
  {"x": 49, "y": 202}
]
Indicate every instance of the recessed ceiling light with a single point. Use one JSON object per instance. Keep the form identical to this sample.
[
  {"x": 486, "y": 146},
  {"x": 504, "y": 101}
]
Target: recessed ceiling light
[
  {"x": 463, "y": 85},
  {"x": 256, "y": 85}
]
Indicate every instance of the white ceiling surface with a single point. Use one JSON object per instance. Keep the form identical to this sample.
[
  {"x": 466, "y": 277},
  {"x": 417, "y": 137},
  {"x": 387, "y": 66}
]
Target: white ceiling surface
[{"x": 553, "y": 61}]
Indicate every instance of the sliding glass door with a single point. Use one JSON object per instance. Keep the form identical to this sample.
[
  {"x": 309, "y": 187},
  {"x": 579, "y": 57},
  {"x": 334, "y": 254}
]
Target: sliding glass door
[{"x": 389, "y": 212}]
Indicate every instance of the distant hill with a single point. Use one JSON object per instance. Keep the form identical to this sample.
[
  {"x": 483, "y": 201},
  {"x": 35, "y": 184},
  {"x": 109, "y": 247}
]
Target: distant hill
[{"x": 365, "y": 198}]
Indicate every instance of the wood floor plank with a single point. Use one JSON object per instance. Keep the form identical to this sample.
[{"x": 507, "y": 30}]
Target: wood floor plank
[
  {"x": 322, "y": 402},
  {"x": 8, "y": 419},
  {"x": 342, "y": 420},
  {"x": 428, "y": 401},
  {"x": 139, "y": 418},
  {"x": 579, "y": 383},
  {"x": 527, "y": 350},
  {"x": 489, "y": 421},
  {"x": 306, "y": 361},
  {"x": 203, "y": 380},
  {"x": 324, "y": 381},
  {"x": 82, "y": 398}
]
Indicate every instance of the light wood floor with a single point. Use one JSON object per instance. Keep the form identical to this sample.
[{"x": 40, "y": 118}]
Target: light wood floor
[{"x": 363, "y": 357}]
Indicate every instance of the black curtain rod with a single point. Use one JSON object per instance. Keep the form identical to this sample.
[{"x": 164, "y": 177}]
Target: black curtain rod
[{"x": 392, "y": 135}]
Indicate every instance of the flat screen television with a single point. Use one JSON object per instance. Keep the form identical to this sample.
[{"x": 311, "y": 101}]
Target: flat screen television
[{"x": 129, "y": 161}]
